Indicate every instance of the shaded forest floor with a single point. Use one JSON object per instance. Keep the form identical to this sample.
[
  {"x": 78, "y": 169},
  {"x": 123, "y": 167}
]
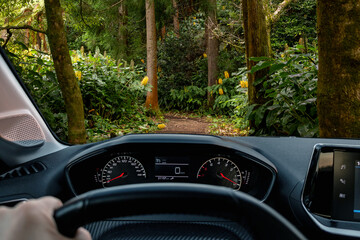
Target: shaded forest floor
[{"x": 189, "y": 123}]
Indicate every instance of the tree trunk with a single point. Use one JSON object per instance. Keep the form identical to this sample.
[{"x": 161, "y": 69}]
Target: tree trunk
[
  {"x": 38, "y": 36},
  {"x": 176, "y": 18},
  {"x": 338, "y": 93},
  {"x": 151, "y": 48},
  {"x": 65, "y": 73},
  {"x": 163, "y": 33},
  {"x": 44, "y": 42},
  {"x": 38, "y": 42},
  {"x": 122, "y": 34},
  {"x": 256, "y": 45},
  {"x": 212, "y": 49}
]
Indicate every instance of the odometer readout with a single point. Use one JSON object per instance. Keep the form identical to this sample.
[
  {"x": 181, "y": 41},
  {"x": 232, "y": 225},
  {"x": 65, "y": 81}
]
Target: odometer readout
[{"x": 171, "y": 168}]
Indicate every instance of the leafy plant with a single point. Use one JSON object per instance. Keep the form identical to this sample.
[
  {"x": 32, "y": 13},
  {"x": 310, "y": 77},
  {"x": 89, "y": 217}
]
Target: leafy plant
[
  {"x": 290, "y": 88},
  {"x": 112, "y": 92}
]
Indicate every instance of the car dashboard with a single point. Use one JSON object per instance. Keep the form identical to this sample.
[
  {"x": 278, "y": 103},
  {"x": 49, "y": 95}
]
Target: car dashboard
[
  {"x": 132, "y": 163},
  {"x": 312, "y": 182}
]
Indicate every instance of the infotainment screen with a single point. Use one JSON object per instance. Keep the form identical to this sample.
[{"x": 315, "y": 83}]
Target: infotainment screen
[{"x": 346, "y": 186}]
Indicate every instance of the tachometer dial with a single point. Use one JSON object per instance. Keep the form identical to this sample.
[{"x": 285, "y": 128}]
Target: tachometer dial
[
  {"x": 122, "y": 170},
  {"x": 220, "y": 171}
]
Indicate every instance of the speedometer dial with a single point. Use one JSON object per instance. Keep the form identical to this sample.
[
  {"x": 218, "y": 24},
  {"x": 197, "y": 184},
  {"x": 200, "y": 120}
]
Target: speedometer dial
[
  {"x": 220, "y": 171},
  {"x": 122, "y": 170}
]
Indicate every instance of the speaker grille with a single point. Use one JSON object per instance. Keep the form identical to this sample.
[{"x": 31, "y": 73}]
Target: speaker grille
[{"x": 21, "y": 129}]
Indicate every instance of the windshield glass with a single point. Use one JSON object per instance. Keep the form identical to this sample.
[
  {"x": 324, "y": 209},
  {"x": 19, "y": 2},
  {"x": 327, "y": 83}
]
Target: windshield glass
[{"x": 101, "y": 69}]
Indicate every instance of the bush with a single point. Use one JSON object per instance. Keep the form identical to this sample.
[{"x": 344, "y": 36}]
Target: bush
[
  {"x": 112, "y": 92},
  {"x": 290, "y": 88}
]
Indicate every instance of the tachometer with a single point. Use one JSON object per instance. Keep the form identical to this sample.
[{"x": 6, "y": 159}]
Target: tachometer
[
  {"x": 122, "y": 170},
  {"x": 220, "y": 171}
]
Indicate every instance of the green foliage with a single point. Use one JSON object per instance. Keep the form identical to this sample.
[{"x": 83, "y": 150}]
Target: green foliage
[
  {"x": 291, "y": 92},
  {"x": 181, "y": 62},
  {"x": 190, "y": 98},
  {"x": 230, "y": 34},
  {"x": 298, "y": 21},
  {"x": 112, "y": 93}
]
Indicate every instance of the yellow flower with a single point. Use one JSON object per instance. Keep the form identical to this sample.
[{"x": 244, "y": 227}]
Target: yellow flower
[
  {"x": 161, "y": 126},
  {"x": 220, "y": 81},
  {"x": 282, "y": 55},
  {"x": 78, "y": 75},
  {"x": 226, "y": 74},
  {"x": 145, "y": 81},
  {"x": 194, "y": 18},
  {"x": 142, "y": 60},
  {"x": 76, "y": 59},
  {"x": 205, "y": 55},
  {"x": 244, "y": 84},
  {"x": 221, "y": 92},
  {"x": 223, "y": 7},
  {"x": 194, "y": 23}
]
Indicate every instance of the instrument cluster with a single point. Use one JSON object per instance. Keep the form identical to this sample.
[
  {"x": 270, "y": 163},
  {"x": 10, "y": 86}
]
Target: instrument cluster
[{"x": 141, "y": 163}]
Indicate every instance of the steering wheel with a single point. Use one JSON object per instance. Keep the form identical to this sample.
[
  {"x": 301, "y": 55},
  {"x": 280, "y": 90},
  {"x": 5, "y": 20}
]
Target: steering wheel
[{"x": 174, "y": 198}]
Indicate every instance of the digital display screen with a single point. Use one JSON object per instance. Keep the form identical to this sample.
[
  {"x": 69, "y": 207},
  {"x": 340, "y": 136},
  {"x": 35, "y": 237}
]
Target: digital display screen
[
  {"x": 171, "y": 168},
  {"x": 357, "y": 190},
  {"x": 346, "y": 192}
]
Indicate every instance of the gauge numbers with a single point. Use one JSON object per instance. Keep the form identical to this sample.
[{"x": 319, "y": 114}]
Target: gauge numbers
[
  {"x": 220, "y": 171},
  {"x": 122, "y": 170}
]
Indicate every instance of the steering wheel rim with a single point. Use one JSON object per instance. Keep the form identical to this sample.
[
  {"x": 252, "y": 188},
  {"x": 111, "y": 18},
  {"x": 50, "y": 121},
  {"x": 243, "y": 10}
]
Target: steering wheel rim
[{"x": 160, "y": 198}]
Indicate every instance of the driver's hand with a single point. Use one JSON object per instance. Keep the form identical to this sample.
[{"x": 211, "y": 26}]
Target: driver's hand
[{"x": 34, "y": 220}]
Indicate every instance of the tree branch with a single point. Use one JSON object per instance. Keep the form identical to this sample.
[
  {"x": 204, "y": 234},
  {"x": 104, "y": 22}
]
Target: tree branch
[
  {"x": 23, "y": 27},
  {"x": 282, "y": 6},
  {"x": 106, "y": 9}
]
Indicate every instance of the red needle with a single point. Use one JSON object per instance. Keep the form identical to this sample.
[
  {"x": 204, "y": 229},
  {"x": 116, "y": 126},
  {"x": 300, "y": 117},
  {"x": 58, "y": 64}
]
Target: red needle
[
  {"x": 227, "y": 179},
  {"x": 115, "y": 178}
]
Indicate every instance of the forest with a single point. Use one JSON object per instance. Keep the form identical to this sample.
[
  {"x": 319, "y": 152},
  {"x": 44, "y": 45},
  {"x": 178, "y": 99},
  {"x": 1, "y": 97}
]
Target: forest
[{"x": 100, "y": 69}]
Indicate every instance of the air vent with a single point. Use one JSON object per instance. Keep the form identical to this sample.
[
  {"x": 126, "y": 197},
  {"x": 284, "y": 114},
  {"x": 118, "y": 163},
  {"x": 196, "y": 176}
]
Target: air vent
[{"x": 23, "y": 171}]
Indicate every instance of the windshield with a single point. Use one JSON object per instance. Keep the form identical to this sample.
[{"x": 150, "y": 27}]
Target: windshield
[{"x": 101, "y": 69}]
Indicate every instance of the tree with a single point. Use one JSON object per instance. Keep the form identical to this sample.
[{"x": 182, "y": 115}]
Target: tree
[
  {"x": 176, "y": 18},
  {"x": 339, "y": 63},
  {"x": 65, "y": 73},
  {"x": 122, "y": 35},
  {"x": 212, "y": 48},
  {"x": 256, "y": 45},
  {"x": 151, "y": 49}
]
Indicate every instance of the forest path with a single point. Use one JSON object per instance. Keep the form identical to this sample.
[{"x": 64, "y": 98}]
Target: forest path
[{"x": 185, "y": 124}]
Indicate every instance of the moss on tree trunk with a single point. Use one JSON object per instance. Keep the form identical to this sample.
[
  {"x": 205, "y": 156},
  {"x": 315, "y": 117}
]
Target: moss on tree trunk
[
  {"x": 65, "y": 73},
  {"x": 339, "y": 68}
]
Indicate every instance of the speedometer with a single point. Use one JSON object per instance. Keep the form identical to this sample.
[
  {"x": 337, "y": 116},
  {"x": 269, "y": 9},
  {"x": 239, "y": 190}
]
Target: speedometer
[
  {"x": 122, "y": 170},
  {"x": 220, "y": 171}
]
